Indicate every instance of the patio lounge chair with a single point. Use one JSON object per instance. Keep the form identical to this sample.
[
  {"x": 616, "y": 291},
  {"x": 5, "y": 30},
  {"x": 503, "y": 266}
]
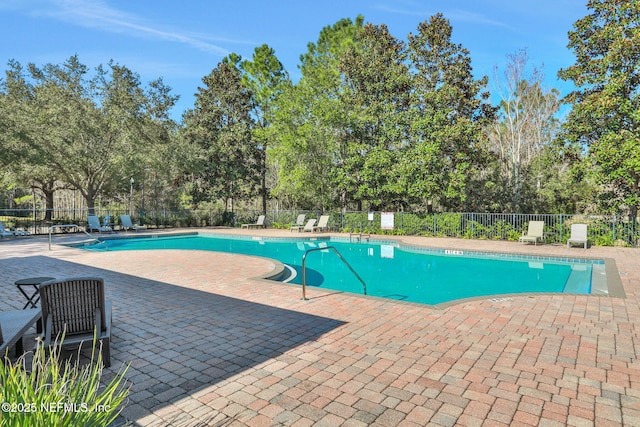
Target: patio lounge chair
[
  {"x": 94, "y": 224},
  {"x": 13, "y": 325},
  {"x": 299, "y": 223},
  {"x": 259, "y": 223},
  {"x": 534, "y": 234},
  {"x": 5, "y": 233},
  {"x": 107, "y": 222},
  {"x": 323, "y": 223},
  {"x": 76, "y": 307},
  {"x": 127, "y": 224},
  {"x": 309, "y": 226},
  {"x": 578, "y": 235}
]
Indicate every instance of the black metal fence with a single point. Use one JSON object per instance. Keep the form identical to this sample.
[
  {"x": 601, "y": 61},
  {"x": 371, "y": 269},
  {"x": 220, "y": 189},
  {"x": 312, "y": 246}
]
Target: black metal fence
[{"x": 603, "y": 230}]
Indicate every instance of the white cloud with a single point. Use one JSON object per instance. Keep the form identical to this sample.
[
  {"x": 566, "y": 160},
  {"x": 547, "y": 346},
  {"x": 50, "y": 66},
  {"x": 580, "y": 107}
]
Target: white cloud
[
  {"x": 98, "y": 14},
  {"x": 452, "y": 15}
]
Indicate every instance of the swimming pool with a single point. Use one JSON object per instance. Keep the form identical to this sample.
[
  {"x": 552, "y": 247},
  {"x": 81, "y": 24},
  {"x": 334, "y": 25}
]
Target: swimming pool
[{"x": 391, "y": 270}]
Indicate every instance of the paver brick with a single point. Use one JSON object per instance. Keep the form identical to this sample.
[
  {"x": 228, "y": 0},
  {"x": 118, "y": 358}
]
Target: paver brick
[{"x": 250, "y": 352}]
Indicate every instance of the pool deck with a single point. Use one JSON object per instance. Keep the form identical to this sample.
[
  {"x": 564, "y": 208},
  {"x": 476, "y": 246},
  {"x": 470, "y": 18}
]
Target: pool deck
[{"x": 209, "y": 344}]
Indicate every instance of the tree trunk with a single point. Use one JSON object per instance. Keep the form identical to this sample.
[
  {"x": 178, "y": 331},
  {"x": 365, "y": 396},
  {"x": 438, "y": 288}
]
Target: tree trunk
[
  {"x": 263, "y": 177},
  {"x": 90, "y": 198},
  {"x": 48, "y": 197}
]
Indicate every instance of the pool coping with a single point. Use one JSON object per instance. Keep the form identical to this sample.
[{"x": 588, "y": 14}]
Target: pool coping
[{"x": 610, "y": 285}]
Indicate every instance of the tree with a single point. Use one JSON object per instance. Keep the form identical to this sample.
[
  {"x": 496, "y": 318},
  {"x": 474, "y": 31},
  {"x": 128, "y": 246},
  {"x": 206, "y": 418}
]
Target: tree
[
  {"x": 449, "y": 109},
  {"x": 525, "y": 125},
  {"x": 376, "y": 99},
  {"x": 221, "y": 126},
  {"x": 605, "y": 118},
  {"x": 267, "y": 78},
  {"x": 20, "y": 160},
  {"x": 308, "y": 129},
  {"x": 90, "y": 133}
]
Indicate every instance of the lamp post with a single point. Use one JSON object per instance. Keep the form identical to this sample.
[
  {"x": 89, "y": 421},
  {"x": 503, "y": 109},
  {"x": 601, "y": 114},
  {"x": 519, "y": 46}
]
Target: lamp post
[{"x": 131, "y": 196}]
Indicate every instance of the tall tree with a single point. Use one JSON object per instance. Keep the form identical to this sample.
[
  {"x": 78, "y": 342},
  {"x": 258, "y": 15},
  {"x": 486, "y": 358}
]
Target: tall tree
[
  {"x": 449, "y": 109},
  {"x": 308, "y": 122},
  {"x": 20, "y": 160},
  {"x": 525, "y": 125},
  {"x": 221, "y": 126},
  {"x": 605, "y": 117},
  {"x": 376, "y": 97},
  {"x": 267, "y": 78}
]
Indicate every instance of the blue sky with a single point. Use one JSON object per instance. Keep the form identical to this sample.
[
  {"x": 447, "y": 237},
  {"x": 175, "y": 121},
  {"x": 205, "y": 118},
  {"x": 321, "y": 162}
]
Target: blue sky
[{"x": 183, "y": 41}]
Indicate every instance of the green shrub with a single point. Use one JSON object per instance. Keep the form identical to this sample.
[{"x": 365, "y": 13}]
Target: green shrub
[
  {"x": 513, "y": 235},
  {"x": 449, "y": 225},
  {"x": 281, "y": 226},
  {"x": 604, "y": 240},
  {"x": 58, "y": 392}
]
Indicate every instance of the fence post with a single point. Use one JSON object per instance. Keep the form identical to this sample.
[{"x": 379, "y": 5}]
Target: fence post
[
  {"x": 473, "y": 216},
  {"x": 435, "y": 225}
]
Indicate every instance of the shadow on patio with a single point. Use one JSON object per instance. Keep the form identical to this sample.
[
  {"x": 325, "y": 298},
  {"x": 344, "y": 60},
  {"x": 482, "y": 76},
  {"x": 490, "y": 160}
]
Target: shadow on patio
[{"x": 179, "y": 340}]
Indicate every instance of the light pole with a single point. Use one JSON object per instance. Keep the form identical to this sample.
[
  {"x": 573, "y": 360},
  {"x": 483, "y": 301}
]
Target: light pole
[{"x": 131, "y": 196}]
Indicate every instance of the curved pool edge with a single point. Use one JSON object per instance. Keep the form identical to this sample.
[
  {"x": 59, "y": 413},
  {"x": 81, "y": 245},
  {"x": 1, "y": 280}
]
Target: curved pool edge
[{"x": 610, "y": 286}]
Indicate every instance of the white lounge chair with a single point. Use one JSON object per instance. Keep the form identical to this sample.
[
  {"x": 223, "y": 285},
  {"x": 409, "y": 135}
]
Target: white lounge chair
[
  {"x": 534, "y": 234},
  {"x": 259, "y": 223},
  {"x": 578, "y": 235},
  {"x": 94, "y": 224},
  {"x": 127, "y": 224},
  {"x": 299, "y": 223},
  {"x": 76, "y": 307},
  {"x": 309, "y": 225},
  {"x": 323, "y": 223}
]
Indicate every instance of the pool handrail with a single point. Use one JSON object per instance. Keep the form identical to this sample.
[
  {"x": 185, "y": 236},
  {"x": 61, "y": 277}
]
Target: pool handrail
[
  {"x": 304, "y": 269},
  {"x": 51, "y": 227}
]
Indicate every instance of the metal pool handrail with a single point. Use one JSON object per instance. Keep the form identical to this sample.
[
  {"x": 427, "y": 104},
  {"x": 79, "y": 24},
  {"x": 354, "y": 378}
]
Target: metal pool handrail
[
  {"x": 304, "y": 269},
  {"x": 77, "y": 228}
]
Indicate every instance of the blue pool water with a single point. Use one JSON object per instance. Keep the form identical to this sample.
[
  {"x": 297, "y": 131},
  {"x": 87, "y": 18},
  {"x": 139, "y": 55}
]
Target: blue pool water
[{"x": 398, "y": 272}]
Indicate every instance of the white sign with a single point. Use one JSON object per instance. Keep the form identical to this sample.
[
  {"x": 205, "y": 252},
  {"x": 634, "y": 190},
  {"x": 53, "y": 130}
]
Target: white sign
[
  {"x": 370, "y": 216},
  {"x": 386, "y": 220}
]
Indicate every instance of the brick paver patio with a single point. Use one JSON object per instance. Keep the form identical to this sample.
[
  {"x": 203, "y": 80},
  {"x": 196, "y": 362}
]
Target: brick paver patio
[{"x": 211, "y": 345}]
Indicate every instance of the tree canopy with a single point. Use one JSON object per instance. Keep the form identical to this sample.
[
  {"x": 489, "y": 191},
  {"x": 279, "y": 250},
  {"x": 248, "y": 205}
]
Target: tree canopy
[
  {"x": 90, "y": 133},
  {"x": 605, "y": 114},
  {"x": 374, "y": 122}
]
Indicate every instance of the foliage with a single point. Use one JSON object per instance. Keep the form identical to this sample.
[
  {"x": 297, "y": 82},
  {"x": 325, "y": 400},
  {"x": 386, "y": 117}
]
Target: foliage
[
  {"x": 36, "y": 390},
  {"x": 375, "y": 100},
  {"x": 380, "y": 122},
  {"x": 526, "y": 126},
  {"x": 308, "y": 123},
  {"x": 220, "y": 127},
  {"x": 266, "y": 77},
  {"x": 605, "y": 117},
  {"x": 374, "y": 122},
  {"x": 449, "y": 109},
  {"x": 89, "y": 132}
]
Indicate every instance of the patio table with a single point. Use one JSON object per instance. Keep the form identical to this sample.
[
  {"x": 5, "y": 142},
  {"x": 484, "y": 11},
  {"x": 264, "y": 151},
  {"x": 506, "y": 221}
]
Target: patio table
[{"x": 31, "y": 282}]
